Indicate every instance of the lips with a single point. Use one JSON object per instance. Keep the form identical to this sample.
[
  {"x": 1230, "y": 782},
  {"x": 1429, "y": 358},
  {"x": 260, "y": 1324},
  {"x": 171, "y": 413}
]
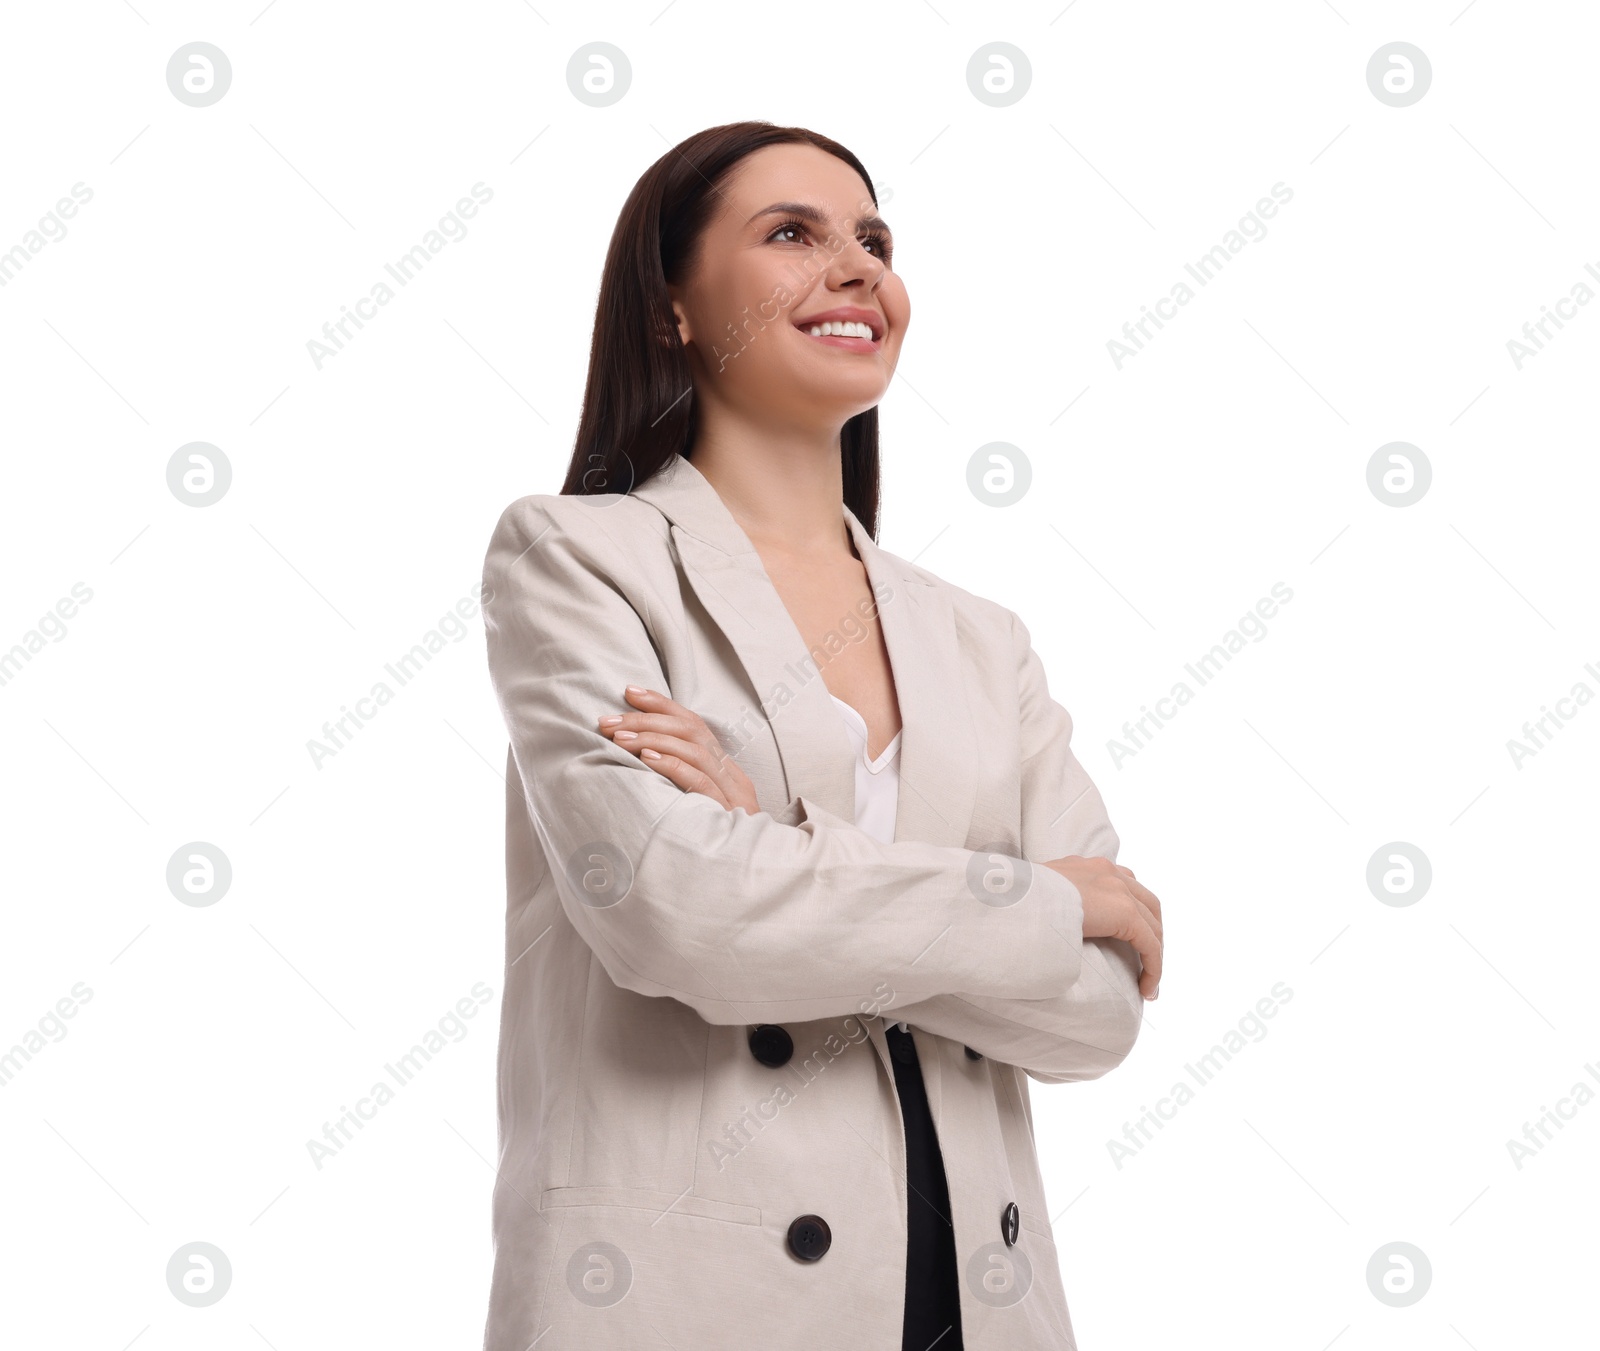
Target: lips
[{"x": 846, "y": 314}]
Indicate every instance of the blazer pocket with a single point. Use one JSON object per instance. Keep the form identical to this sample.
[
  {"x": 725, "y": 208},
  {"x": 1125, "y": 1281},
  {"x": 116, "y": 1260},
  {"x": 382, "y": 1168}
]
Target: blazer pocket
[{"x": 641, "y": 1198}]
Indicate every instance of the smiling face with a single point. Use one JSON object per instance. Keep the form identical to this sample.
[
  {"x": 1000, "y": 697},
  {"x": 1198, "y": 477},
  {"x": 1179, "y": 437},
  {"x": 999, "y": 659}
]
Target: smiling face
[{"x": 791, "y": 266}]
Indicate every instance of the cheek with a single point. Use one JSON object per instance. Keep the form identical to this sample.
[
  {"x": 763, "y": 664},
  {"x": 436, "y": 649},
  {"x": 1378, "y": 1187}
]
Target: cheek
[
  {"x": 737, "y": 295},
  {"x": 752, "y": 316},
  {"x": 896, "y": 301}
]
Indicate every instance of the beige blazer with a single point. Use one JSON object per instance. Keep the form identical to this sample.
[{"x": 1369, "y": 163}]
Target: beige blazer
[{"x": 700, "y": 1138}]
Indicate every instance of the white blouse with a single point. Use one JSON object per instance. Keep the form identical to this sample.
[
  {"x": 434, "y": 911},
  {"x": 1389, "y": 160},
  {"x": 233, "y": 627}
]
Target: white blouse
[{"x": 877, "y": 781}]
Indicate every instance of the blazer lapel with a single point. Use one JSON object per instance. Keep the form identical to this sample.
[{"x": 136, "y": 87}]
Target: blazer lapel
[{"x": 938, "y": 745}]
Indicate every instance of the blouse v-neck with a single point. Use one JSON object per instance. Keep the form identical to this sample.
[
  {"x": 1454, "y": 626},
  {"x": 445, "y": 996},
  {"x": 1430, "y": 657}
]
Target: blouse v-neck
[{"x": 853, "y": 716}]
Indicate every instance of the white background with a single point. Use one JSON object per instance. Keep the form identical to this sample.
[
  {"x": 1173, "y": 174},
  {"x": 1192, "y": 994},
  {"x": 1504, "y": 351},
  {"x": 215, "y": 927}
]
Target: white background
[{"x": 1168, "y": 497}]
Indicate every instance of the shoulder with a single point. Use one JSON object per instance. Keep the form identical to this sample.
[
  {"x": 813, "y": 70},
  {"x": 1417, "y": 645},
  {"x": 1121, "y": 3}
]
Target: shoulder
[
  {"x": 978, "y": 618},
  {"x": 612, "y": 531},
  {"x": 585, "y": 572},
  {"x": 592, "y": 513}
]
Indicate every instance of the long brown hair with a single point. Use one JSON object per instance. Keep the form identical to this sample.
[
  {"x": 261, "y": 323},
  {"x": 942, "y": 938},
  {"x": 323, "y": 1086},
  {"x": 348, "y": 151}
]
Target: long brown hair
[{"x": 639, "y": 408}]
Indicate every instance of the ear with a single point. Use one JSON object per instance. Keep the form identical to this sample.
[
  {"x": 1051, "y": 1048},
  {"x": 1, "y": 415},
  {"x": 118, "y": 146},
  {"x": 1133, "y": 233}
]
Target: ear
[{"x": 680, "y": 318}]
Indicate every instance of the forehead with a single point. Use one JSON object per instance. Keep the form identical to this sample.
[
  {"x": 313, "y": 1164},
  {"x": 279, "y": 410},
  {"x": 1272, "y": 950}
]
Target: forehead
[{"x": 789, "y": 173}]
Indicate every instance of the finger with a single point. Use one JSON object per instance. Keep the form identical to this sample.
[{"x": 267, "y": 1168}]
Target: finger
[
  {"x": 685, "y": 775},
  {"x": 689, "y": 727},
  {"x": 1151, "y": 913},
  {"x": 688, "y": 753},
  {"x": 683, "y": 747},
  {"x": 696, "y": 744},
  {"x": 663, "y": 713},
  {"x": 1149, "y": 947},
  {"x": 653, "y": 701},
  {"x": 680, "y": 772},
  {"x": 1148, "y": 897},
  {"x": 1152, "y": 919},
  {"x": 676, "y": 721}
]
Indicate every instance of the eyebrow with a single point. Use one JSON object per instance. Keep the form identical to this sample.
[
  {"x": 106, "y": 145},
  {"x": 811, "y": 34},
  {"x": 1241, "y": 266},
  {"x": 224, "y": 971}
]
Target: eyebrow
[{"x": 812, "y": 216}]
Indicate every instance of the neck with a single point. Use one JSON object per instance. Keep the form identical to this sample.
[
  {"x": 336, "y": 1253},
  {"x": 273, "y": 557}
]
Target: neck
[{"x": 783, "y": 485}]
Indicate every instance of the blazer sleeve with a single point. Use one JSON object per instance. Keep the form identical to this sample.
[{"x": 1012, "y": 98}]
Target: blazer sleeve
[
  {"x": 1091, "y": 1027},
  {"x": 770, "y": 917}
]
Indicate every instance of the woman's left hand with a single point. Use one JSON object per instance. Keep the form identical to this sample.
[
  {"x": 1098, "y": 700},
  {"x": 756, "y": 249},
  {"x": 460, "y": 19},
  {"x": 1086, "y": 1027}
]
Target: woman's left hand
[{"x": 675, "y": 742}]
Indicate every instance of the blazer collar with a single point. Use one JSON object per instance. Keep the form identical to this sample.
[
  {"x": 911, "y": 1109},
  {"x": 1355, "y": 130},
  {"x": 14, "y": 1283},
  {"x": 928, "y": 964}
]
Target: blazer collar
[{"x": 938, "y": 748}]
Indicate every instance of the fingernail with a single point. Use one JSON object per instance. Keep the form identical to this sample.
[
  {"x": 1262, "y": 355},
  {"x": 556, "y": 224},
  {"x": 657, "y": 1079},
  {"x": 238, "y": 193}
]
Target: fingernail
[
  {"x": 625, "y": 736},
  {"x": 637, "y": 689},
  {"x": 611, "y": 720},
  {"x": 650, "y": 754}
]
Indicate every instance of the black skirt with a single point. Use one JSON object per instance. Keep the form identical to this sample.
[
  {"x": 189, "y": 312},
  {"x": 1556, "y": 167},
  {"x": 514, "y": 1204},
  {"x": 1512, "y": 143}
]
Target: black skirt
[{"x": 933, "y": 1284}]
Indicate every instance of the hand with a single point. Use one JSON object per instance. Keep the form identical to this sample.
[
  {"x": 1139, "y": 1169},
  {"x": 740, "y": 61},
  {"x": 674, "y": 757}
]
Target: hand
[
  {"x": 675, "y": 742},
  {"x": 1117, "y": 905}
]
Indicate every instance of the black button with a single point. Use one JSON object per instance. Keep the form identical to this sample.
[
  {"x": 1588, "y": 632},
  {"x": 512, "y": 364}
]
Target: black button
[
  {"x": 971, "y": 1054},
  {"x": 809, "y": 1237},
  {"x": 1010, "y": 1222},
  {"x": 771, "y": 1045}
]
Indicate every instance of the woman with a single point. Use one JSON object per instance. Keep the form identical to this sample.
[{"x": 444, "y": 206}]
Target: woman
[{"x": 710, "y": 1136}]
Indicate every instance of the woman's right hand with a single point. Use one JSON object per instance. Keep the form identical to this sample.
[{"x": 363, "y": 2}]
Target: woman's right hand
[{"x": 1117, "y": 905}]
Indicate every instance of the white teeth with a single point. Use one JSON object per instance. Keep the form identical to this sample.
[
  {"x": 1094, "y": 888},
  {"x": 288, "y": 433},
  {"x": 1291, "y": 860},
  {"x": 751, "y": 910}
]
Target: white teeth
[{"x": 833, "y": 328}]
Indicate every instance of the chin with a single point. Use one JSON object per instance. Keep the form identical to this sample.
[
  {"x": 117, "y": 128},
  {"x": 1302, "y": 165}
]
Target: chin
[
  {"x": 836, "y": 410},
  {"x": 849, "y": 395}
]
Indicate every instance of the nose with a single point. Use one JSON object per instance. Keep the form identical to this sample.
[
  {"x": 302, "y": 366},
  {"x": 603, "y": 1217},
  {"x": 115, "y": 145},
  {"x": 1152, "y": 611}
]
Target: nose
[{"x": 853, "y": 266}]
